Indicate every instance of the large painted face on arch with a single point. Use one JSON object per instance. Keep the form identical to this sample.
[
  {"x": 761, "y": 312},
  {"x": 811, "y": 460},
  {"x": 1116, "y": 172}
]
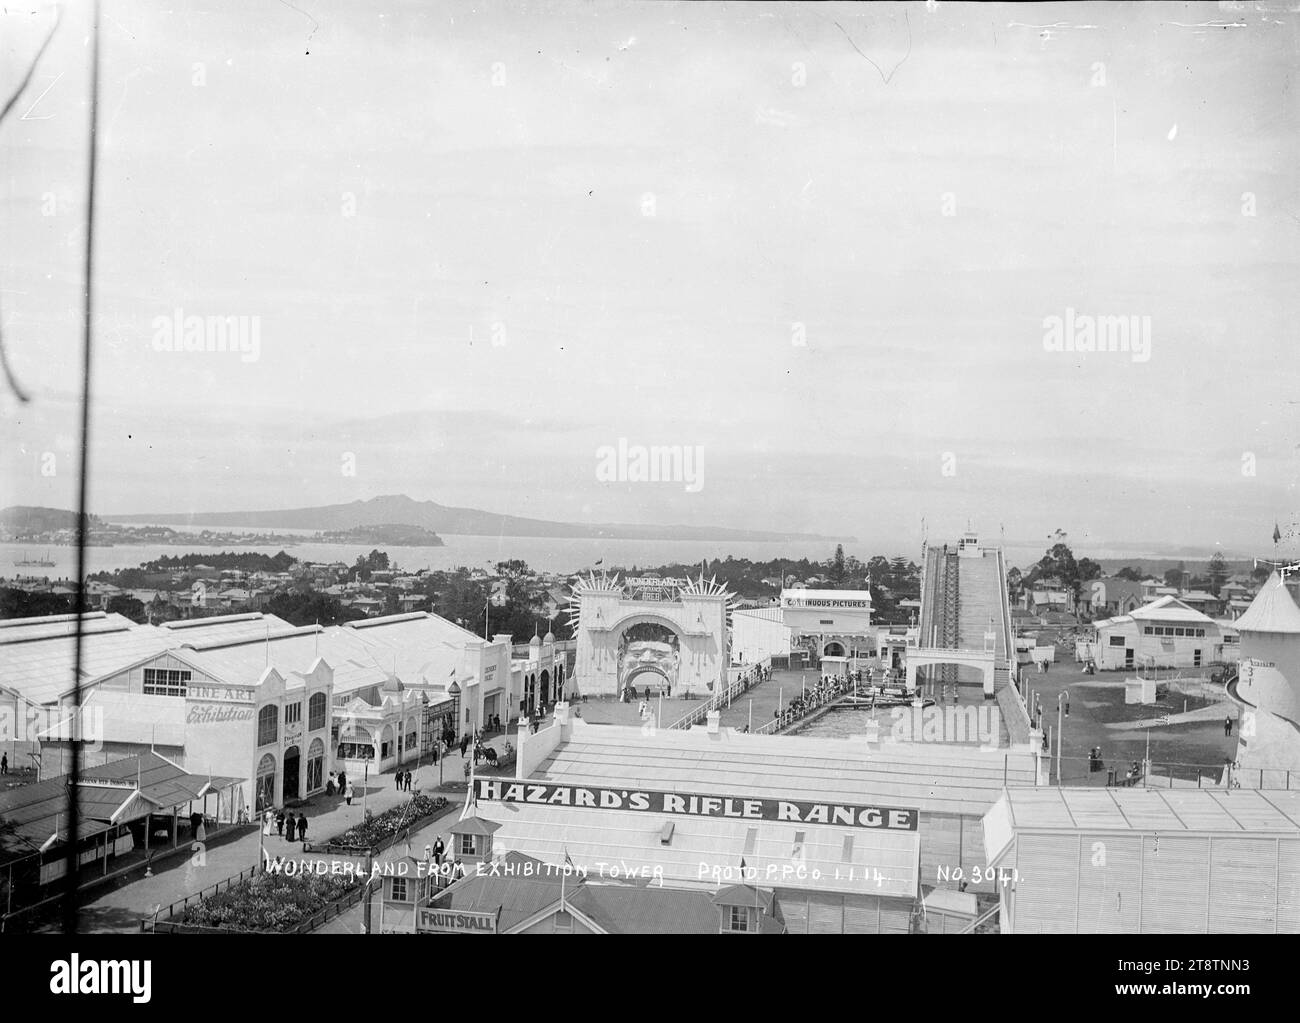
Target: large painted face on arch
[{"x": 648, "y": 647}]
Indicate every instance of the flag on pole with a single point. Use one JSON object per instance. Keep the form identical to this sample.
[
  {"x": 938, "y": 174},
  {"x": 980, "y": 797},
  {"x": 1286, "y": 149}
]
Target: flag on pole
[
  {"x": 1277, "y": 533},
  {"x": 564, "y": 874},
  {"x": 600, "y": 561}
]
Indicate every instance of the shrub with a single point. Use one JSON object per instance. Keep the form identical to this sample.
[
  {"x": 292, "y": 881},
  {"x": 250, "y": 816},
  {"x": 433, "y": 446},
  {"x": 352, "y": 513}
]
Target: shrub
[
  {"x": 377, "y": 827},
  {"x": 271, "y": 901}
]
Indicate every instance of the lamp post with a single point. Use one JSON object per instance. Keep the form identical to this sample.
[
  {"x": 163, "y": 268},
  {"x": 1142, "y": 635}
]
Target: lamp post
[
  {"x": 1059, "y": 722},
  {"x": 453, "y": 691},
  {"x": 365, "y": 788}
]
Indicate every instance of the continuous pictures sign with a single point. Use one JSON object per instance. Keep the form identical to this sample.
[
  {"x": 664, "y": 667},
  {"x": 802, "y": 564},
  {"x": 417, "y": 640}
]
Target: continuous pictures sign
[
  {"x": 889, "y": 818},
  {"x": 845, "y": 602}
]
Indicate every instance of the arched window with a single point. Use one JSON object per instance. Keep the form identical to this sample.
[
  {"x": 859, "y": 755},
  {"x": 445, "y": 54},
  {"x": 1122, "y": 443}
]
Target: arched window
[
  {"x": 316, "y": 713},
  {"x": 265, "y": 786},
  {"x": 412, "y": 735},
  {"x": 268, "y": 720},
  {"x": 355, "y": 743},
  {"x": 315, "y": 765}
]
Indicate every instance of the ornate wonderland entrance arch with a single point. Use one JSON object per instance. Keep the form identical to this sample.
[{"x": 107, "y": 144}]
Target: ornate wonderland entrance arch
[{"x": 676, "y": 631}]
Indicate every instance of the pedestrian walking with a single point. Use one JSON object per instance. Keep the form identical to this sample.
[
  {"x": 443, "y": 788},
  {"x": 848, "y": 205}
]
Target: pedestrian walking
[
  {"x": 343, "y": 782},
  {"x": 290, "y": 826},
  {"x": 4, "y": 763},
  {"x": 348, "y": 794},
  {"x": 464, "y": 743},
  {"x": 399, "y": 779},
  {"x": 279, "y": 823},
  {"x": 1227, "y": 726},
  {"x": 302, "y": 827}
]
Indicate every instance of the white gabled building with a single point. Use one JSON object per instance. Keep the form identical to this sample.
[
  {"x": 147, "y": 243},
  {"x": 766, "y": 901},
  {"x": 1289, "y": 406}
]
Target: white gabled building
[{"x": 1165, "y": 633}]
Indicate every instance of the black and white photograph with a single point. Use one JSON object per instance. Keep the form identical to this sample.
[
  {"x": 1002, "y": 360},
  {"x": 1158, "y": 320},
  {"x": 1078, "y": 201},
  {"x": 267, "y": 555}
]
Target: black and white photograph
[{"x": 650, "y": 468}]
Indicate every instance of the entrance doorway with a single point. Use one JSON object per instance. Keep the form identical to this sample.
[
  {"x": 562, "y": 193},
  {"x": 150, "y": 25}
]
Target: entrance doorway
[
  {"x": 316, "y": 766},
  {"x": 292, "y": 758},
  {"x": 264, "y": 797}
]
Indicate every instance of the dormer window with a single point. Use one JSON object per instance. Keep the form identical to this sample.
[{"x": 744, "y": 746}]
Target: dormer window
[{"x": 738, "y": 920}]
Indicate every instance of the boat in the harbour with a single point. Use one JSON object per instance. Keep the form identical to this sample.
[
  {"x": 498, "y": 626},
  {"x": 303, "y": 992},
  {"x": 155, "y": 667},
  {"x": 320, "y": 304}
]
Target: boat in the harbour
[
  {"x": 867, "y": 697},
  {"x": 36, "y": 562}
]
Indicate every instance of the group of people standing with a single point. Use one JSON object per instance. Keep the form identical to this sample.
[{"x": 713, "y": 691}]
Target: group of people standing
[
  {"x": 285, "y": 824},
  {"x": 403, "y": 780},
  {"x": 814, "y": 696},
  {"x": 631, "y": 693},
  {"x": 339, "y": 783}
]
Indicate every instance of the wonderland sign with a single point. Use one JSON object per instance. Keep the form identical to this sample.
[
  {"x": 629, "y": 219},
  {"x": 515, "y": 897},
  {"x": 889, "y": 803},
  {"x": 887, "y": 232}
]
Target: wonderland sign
[{"x": 794, "y": 811}]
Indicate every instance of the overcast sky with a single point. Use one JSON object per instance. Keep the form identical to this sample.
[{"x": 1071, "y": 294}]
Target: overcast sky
[{"x": 484, "y": 240}]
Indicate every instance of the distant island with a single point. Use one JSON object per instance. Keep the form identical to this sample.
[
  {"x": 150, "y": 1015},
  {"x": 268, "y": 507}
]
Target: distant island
[
  {"x": 58, "y": 527},
  {"x": 445, "y": 519},
  {"x": 393, "y": 534}
]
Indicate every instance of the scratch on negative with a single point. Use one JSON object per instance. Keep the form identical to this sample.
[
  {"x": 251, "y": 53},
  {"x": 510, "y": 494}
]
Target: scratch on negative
[{"x": 883, "y": 77}]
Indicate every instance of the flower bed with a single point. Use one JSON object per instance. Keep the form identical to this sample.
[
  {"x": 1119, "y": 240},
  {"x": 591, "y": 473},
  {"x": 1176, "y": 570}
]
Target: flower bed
[
  {"x": 377, "y": 829},
  {"x": 271, "y": 901}
]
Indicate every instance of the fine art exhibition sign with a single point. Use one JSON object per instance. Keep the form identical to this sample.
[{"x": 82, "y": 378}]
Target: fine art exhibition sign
[{"x": 890, "y": 818}]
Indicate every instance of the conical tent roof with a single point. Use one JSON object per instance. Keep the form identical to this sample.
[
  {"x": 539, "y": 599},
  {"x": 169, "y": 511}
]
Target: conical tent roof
[{"x": 1272, "y": 610}]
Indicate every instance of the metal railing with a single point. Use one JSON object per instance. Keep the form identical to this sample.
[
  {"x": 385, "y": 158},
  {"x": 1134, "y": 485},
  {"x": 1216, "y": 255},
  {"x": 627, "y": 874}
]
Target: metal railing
[
  {"x": 1168, "y": 774},
  {"x": 147, "y": 923},
  {"x": 152, "y": 925},
  {"x": 808, "y": 703},
  {"x": 717, "y": 701}
]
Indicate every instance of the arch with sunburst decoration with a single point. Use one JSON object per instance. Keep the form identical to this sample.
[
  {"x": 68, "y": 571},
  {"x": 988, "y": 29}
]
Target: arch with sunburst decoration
[{"x": 697, "y": 611}]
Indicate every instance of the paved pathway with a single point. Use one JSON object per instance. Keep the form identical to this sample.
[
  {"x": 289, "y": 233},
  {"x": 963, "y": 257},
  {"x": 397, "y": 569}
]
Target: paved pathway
[{"x": 120, "y": 909}]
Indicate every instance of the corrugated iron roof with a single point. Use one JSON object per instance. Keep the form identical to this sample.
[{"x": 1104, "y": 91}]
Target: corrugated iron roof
[
  {"x": 1235, "y": 811},
  {"x": 934, "y": 777}
]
